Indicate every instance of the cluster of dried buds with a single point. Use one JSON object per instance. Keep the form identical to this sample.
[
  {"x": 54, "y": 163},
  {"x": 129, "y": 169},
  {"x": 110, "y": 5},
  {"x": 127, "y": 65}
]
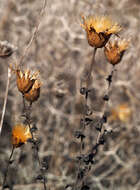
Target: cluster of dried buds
[
  {"x": 99, "y": 29},
  {"x": 29, "y": 85}
]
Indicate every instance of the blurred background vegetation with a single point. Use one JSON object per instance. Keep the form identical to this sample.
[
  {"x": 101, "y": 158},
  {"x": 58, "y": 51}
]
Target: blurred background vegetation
[{"x": 61, "y": 54}]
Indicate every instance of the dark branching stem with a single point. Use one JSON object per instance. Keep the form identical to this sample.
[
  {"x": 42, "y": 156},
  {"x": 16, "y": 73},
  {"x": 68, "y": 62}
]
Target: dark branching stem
[
  {"x": 106, "y": 99},
  {"x": 100, "y": 138},
  {"x": 8, "y": 164},
  {"x": 87, "y": 159},
  {"x": 81, "y": 172},
  {"x": 27, "y": 114}
]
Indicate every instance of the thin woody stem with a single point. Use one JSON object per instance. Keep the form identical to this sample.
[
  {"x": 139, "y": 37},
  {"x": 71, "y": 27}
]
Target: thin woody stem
[
  {"x": 101, "y": 132},
  {"x": 91, "y": 67},
  {"x": 28, "y": 120},
  {"x": 6, "y": 173},
  {"x": 5, "y": 99},
  {"x": 34, "y": 35},
  {"x": 24, "y": 105},
  {"x": 105, "y": 104},
  {"x": 83, "y": 124}
]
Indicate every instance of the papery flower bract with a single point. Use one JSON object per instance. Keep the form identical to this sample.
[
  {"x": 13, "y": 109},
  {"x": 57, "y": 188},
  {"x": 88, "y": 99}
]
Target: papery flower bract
[
  {"x": 20, "y": 134},
  {"x": 114, "y": 50},
  {"x": 25, "y": 80},
  {"x": 34, "y": 93},
  {"x": 99, "y": 29}
]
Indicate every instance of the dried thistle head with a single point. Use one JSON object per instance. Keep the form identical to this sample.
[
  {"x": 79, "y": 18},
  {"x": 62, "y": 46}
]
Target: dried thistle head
[
  {"x": 122, "y": 112},
  {"x": 6, "y": 49},
  {"x": 33, "y": 94},
  {"x": 114, "y": 50},
  {"x": 20, "y": 135},
  {"x": 99, "y": 29},
  {"x": 25, "y": 80}
]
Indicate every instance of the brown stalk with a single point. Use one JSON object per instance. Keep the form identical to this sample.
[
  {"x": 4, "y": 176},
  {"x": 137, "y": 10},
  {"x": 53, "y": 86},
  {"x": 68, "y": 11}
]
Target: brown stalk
[
  {"x": 91, "y": 67},
  {"x": 5, "y": 98},
  {"x": 83, "y": 125},
  {"x": 8, "y": 164},
  {"x": 34, "y": 35},
  {"x": 105, "y": 104},
  {"x": 27, "y": 113}
]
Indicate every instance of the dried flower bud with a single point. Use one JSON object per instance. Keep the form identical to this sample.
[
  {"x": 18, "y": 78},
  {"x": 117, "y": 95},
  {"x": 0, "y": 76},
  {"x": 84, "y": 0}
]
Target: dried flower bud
[
  {"x": 34, "y": 92},
  {"x": 114, "y": 50},
  {"x": 20, "y": 135},
  {"x": 25, "y": 81},
  {"x": 6, "y": 49},
  {"x": 99, "y": 30},
  {"x": 122, "y": 112}
]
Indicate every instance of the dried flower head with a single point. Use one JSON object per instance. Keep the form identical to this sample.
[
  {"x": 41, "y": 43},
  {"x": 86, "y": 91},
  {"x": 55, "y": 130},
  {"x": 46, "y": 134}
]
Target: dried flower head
[
  {"x": 20, "y": 134},
  {"x": 114, "y": 50},
  {"x": 25, "y": 80},
  {"x": 99, "y": 29},
  {"x": 122, "y": 112},
  {"x": 34, "y": 93},
  {"x": 6, "y": 49}
]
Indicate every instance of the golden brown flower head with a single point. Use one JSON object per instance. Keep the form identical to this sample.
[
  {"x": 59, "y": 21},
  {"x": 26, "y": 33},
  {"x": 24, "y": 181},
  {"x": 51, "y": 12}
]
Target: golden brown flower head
[
  {"x": 25, "y": 81},
  {"x": 34, "y": 93},
  {"x": 20, "y": 134},
  {"x": 99, "y": 29},
  {"x": 114, "y": 50},
  {"x": 122, "y": 112}
]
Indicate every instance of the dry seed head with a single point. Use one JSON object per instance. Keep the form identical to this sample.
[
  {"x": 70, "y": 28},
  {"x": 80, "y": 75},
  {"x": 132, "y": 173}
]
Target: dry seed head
[
  {"x": 20, "y": 135},
  {"x": 99, "y": 29},
  {"x": 25, "y": 80},
  {"x": 122, "y": 112},
  {"x": 34, "y": 93},
  {"x": 114, "y": 50}
]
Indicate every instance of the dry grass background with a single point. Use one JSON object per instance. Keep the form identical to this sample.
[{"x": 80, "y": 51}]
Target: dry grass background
[{"x": 62, "y": 55}]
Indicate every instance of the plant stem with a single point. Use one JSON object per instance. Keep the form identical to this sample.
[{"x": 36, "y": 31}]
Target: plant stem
[
  {"x": 106, "y": 102},
  {"x": 83, "y": 123},
  {"x": 5, "y": 99},
  {"x": 34, "y": 35},
  {"x": 6, "y": 173},
  {"x": 91, "y": 67},
  {"x": 28, "y": 120}
]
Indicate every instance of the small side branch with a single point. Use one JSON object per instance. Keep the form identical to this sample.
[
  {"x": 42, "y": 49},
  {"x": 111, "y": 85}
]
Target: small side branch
[{"x": 34, "y": 33}]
